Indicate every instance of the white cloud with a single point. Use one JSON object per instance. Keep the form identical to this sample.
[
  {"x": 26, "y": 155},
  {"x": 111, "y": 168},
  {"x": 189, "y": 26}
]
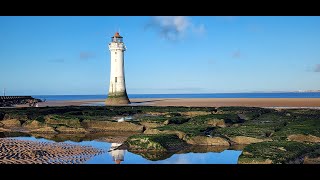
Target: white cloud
[{"x": 174, "y": 27}]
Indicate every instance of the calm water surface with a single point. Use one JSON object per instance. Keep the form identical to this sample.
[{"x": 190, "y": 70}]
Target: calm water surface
[
  {"x": 126, "y": 157},
  {"x": 209, "y": 95}
]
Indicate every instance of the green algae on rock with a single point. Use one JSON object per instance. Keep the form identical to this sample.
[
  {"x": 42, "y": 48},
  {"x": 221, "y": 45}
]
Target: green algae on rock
[
  {"x": 155, "y": 142},
  {"x": 276, "y": 152}
]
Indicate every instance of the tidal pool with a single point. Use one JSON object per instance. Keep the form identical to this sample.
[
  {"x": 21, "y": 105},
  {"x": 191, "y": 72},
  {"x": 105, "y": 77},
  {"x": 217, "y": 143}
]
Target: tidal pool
[{"x": 193, "y": 155}]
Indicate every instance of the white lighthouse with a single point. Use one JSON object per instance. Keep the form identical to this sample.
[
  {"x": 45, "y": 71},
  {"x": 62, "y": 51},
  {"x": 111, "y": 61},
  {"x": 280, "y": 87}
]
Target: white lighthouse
[{"x": 117, "y": 88}]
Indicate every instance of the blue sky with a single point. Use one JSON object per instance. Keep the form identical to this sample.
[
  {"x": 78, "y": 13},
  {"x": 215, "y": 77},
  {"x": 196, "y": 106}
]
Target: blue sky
[{"x": 69, "y": 55}]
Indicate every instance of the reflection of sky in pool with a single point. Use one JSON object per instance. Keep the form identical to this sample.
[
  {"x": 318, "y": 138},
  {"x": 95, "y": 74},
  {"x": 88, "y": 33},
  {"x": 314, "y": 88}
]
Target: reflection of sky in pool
[{"x": 224, "y": 157}]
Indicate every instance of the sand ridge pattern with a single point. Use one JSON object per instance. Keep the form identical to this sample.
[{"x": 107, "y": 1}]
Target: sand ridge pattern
[{"x": 14, "y": 151}]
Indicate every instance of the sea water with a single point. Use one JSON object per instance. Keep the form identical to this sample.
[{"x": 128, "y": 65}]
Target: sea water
[{"x": 210, "y": 95}]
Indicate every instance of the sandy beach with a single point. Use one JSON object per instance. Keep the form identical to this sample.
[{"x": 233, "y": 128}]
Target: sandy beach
[
  {"x": 200, "y": 102},
  {"x": 220, "y": 102},
  {"x": 13, "y": 151}
]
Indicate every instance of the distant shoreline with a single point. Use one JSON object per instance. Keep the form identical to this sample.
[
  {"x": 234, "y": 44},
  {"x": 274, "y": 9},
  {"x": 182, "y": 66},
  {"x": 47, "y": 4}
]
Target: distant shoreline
[
  {"x": 200, "y": 102},
  {"x": 182, "y": 96}
]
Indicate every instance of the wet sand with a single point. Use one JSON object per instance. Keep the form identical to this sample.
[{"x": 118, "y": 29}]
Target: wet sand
[
  {"x": 13, "y": 151},
  {"x": 220, "y": 102},
  {"x": 200, "y": 102}
]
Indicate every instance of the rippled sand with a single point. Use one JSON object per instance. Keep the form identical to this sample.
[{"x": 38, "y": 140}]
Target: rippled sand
[{"x": 13, "y": 151}]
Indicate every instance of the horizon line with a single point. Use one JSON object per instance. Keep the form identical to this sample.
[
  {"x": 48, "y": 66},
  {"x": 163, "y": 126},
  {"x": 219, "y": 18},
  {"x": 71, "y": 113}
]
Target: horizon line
[{"x": 297, "y": 91}]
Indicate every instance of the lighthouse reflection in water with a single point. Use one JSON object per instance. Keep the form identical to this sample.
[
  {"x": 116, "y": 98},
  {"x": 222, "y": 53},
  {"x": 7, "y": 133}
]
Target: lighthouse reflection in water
[{"x": 117, "y": 154}]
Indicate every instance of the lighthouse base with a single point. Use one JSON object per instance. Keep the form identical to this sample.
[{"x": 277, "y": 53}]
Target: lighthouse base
[{"x": 117, "y": 99}]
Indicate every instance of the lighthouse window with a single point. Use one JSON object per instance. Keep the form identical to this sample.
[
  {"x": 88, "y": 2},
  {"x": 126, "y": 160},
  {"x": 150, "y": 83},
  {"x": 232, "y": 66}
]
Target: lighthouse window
[{"x": 115, "y": 79}]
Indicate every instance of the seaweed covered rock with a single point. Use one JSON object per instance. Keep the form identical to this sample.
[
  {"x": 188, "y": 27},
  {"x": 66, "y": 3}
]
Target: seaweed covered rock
[
  {"x": 300, "y": 127},
  {"x": 33, "y": 125},
  {"x": 176, "y": 120},
  {"x": 173, "y": 114},
  {"x": 242, "y": 117},
  {"x": 203, "y": 149},
  {"x": 246, "y": 140},
  {"x": 67, "y": 130},
  {"x": 195, "y": 113},
  {"x": 46, "y": 130},
  {"x": 15, "y": 115},
  {"x": 204, "y": 140},
  {"x": 152, "y": 131},
  {"x": 313, "y": 157},
  {"x": 217, "y": 123},
  {"x": 304, "y": 138},
  {"x": 11, "y": 123},
  {"x": 154, "y": 155},
  {"x": 111, "y": 126},
  {"x": 61, "y": 120},
  {"x": 294, "y": 132},
  {"x": 180, "y": 134},
  {"x": 276, "y": 152},
  {"x": 155, "y": 142},
  {"x": 149, "y": 125}
]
